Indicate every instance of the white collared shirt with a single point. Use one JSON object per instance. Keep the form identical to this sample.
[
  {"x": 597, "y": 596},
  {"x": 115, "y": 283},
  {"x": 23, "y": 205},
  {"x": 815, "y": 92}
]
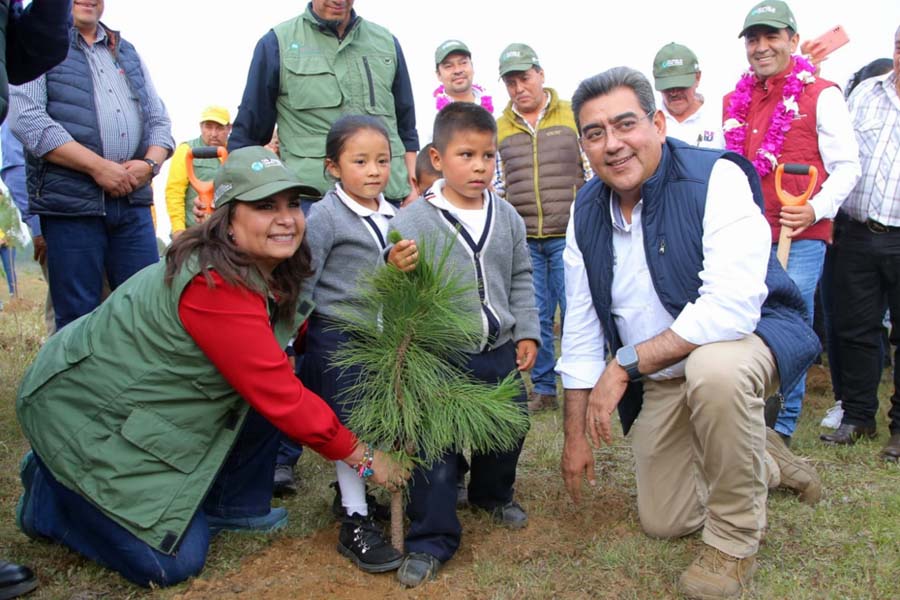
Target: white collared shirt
[
  {"x": 736, "y": 247},
  {"x": 381, "y": 217},
  {"x": 473, "y": 219},
  {"x": 703, "y": 128}
]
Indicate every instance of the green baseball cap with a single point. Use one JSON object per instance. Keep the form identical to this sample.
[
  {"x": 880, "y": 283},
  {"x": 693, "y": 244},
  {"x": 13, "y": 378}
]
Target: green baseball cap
[
  {"x": 675, "y": 66},
  {"x": 254, "y": 173},
  {"x": 448, "y": 48},
  {"x": 517, "y": 57},
  {"x": 772, "y": 13}
]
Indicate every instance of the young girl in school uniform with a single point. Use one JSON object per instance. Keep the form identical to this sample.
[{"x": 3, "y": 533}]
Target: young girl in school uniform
[{"x": 347, "y": 235}]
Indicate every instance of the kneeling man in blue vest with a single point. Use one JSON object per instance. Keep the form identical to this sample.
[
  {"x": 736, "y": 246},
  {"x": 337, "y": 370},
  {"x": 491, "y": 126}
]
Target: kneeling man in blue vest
[{"x": 668, "y": 267}]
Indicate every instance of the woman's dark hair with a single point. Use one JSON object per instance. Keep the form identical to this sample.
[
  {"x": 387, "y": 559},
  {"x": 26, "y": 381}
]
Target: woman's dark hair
[
  {"x": 877, "y": 67},
  {"x": 209, "y": 241},
  {"x": 345, "y": 127}
]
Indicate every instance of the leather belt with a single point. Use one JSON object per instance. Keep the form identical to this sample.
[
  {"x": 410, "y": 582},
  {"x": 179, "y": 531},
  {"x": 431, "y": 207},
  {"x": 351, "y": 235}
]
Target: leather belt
[{"x": 876, "y": 227}]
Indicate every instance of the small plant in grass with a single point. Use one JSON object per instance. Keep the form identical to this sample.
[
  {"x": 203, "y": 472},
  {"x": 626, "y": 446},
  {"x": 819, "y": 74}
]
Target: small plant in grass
[{"x": 408, "y": 334}]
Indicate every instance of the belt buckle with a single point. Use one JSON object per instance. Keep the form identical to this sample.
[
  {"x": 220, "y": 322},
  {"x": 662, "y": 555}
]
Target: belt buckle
[{"x": 876, "y": 227}]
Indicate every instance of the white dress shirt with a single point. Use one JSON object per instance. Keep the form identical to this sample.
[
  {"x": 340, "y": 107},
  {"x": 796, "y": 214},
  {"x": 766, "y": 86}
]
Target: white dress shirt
[
  {"x": 703, "y": 128},
  {"x": 839, "y": 151},
  {"x": 472, "y": 219},
  {"x": 736, "y": 247},
  {"x": 380, "y": 217}
]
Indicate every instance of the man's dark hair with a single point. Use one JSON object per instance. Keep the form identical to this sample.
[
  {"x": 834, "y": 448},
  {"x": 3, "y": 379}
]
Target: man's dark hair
[
  {"x": 877, "y": 67},
  {"x": 605, "y": 82},
  {"x": 460, "y": 116},
  {"x": 423, "y": 163}
]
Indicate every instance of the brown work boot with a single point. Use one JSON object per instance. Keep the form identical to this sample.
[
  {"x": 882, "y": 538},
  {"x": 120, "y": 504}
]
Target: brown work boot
[
  {"x": 538, "y": 402},
  {"x": 715, "y": 575},
  {"x": 796, "y": 474}
]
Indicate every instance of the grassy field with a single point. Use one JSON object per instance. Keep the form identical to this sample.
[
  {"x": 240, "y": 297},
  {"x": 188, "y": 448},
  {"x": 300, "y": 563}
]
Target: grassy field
[{"x": 848, "y": 546}]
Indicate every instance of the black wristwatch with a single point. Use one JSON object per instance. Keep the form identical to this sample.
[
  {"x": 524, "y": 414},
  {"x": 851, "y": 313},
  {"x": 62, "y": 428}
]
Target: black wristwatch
[
  {"x": 154, "y": 166},
  {"x": 627, "y": 357}
]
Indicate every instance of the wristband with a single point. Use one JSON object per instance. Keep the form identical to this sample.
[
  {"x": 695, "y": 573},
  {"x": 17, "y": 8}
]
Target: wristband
[{"x": 364, "y": 468}]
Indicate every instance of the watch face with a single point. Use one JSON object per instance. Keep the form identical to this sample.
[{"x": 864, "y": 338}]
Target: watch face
[{"x": 627, "y": 356}]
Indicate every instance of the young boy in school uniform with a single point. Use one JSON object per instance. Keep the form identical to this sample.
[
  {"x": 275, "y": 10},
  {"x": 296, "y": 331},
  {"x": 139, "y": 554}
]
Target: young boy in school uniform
[{"x": 489, "y": 246}]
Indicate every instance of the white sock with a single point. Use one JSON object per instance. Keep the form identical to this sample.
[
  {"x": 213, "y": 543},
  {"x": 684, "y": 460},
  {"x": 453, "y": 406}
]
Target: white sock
[{"x": 353, "y": 489}]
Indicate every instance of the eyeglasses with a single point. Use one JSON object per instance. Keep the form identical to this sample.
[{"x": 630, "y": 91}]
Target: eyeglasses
[{"x": 622, "y": 128}]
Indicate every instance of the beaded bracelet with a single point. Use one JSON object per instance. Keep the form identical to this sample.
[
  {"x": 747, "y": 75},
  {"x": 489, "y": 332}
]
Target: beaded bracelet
[{"x": 364, "y": 468}]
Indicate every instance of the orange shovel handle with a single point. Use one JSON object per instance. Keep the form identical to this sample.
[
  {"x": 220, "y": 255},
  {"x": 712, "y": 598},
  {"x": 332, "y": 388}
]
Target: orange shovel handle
[
  {"x": 203, "y": 188},
  {"x": 788, "y": 199}
]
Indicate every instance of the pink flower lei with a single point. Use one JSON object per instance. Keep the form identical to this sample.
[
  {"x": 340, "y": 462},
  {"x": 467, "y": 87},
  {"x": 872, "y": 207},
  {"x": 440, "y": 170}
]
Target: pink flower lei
[
  {"x": 442, "y": 99},
  {"x": 735, "y": 125}
]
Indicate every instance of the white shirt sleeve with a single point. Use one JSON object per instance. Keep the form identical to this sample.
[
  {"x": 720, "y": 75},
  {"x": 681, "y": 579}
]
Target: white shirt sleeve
[
  {"x": 582, "y": 359},
  {"x": 736, "y": 248},
  {"x": 839, "y": 150}
]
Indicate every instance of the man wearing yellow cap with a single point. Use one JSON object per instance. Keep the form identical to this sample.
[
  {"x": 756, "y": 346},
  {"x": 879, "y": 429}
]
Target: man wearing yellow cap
[{"x": 215, "y": 127}]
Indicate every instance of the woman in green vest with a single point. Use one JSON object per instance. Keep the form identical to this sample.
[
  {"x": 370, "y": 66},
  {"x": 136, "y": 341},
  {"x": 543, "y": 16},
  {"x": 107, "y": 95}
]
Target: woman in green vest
[{"x": 154, "y": 420}]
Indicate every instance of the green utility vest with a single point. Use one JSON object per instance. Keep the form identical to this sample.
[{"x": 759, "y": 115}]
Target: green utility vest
[
  {"x": 126, "y": 410},
  {"x": 322, "y": 79},
  {"x": 205, "y": 170}
]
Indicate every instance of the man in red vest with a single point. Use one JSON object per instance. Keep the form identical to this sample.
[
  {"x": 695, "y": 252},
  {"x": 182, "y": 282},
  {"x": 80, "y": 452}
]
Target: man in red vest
[{"x": 780, "y": 112}]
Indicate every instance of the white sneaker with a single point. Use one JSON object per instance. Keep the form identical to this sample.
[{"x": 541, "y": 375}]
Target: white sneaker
[{"x": 833, "y": 417}]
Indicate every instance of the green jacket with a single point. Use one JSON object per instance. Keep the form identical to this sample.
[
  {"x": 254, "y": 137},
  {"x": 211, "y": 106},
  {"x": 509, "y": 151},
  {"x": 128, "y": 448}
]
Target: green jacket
[
  {"x": 543, "y": 171},
  {"x": 323, "y": 78},
  {"x": 126, "y": 410}
]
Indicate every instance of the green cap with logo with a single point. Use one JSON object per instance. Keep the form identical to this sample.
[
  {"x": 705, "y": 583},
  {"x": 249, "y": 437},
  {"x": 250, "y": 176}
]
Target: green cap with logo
[
  {"x": 448, "y": 48},
  {"x": 517, "y": 57},
  {"x": 771, "y": 13},
  {"x": 675, "y": 66},
  {"x": 254, "y": 173}
]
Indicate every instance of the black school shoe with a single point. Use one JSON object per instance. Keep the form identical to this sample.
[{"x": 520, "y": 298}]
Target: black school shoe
[
  {"x": 362, "y": 541},
  {"x": 417, "y": 568}
]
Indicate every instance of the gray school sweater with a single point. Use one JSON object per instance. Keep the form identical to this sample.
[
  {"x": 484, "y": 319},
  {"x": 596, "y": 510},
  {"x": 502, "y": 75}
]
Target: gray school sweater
[
  {"x": 501, "y": 260},
  {"x": 343, "y": 249}
]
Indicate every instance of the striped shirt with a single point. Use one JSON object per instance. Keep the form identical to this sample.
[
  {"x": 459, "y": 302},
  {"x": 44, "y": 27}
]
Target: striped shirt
[
  {"x": 875, "y": 109},
  {"x": 118, "y": 109}
]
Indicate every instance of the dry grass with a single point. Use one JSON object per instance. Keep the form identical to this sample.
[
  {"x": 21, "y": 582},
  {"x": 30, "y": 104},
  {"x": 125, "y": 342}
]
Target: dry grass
[{"x": 846, "y": 547}]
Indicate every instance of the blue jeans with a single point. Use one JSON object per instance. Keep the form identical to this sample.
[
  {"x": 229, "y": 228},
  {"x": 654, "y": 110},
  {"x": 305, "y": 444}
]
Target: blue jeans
[
  {"x": 8, "y": 257},
  {"x": 81, "y": 249},
  {"x": 804, "y": 268},
  {"x": 243, "y": 487},
  {"x": 550, "y": 292}
]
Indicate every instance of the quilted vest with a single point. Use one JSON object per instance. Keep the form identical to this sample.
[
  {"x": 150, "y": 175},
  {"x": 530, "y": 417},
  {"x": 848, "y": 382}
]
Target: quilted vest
[
  {"x": 672, "y": 219},
  {"x": 57, "y": 190},
  {"x": 543, "y": 170},
  {"x": 323, "y": 78},
  {"x": 4, "y": 80}
]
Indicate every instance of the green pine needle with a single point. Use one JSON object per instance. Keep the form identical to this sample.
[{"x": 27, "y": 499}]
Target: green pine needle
[{"x": 408, "y": 331}]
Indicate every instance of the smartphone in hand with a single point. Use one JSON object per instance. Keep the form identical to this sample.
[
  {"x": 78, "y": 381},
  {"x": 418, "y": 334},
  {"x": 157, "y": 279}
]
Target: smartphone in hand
[{"x": 826, "y": 43}]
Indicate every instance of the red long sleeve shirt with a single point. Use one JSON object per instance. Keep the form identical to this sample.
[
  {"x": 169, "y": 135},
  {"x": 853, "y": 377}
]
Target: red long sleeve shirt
[{"x": 230, "y": 324}]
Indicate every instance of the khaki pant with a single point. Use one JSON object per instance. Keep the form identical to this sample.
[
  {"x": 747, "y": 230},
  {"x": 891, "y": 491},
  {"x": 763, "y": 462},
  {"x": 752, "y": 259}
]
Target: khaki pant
[{"x": 699, "y": 443}]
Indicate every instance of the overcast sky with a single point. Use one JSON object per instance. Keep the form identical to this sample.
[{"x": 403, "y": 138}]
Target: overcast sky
[{"x": 198, "y": 51}]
